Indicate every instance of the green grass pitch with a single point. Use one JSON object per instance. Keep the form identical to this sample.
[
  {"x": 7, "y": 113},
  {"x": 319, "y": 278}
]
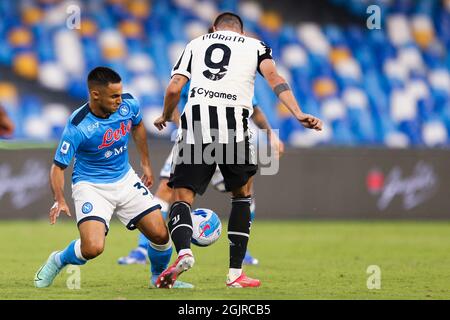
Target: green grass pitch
[{"x": 298, "y": 260}]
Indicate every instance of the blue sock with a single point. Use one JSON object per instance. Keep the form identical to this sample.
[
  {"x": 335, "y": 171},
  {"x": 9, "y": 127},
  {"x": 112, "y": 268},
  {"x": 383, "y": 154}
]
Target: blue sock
[
  {"x": 143, "y": 241},
  {"x": 159, "y": 256},
  {"x": 68, "y": 256}
]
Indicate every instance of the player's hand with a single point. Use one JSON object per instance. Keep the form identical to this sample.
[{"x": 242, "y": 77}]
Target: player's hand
[
  {"x": 147, "y": 177},
  {"x": 277, "y": 145},
  {"x": 56, "y": 209},
  {"x": 310, "y": 122},
  {"x": 280, "y": 148},
  {"x": 160, "y": 123}
]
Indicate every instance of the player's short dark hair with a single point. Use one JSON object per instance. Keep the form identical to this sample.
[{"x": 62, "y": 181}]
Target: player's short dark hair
[
  {"x": 229, "y": 18},
  {"x": 102, "y": 76}
]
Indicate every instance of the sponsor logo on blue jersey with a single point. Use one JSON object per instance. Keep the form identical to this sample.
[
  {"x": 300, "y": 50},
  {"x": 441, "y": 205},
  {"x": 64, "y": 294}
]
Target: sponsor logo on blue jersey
[
  {"x": 108, "y": 154},
  {"x": 87, "y": 207},
  {"x": 111, "y": 136}
]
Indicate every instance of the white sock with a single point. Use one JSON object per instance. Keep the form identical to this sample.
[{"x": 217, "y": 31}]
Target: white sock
[
  {"x": 159, "y": 247},
  {"x": 77, "y": 248},
  {"x": 185, "y": 251},
  {"x": 233, "y": 274}
]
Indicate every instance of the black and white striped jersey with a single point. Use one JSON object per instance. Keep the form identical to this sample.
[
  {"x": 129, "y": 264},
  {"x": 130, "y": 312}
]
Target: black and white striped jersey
[{"x": 222, "y": 68}]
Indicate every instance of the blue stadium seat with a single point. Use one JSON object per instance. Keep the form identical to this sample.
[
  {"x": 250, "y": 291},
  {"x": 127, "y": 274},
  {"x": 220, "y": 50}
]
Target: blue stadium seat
[{"x": 384, "y": 68}]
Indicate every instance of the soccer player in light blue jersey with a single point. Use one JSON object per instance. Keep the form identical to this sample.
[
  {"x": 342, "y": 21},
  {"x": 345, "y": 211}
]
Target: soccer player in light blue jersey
[{"x": 103, "y": 182}]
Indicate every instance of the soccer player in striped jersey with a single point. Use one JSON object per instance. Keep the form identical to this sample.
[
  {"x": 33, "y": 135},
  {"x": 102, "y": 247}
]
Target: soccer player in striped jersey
[
  {"x": 214, "y": 131},
  {"x": 164, "y": 194}
]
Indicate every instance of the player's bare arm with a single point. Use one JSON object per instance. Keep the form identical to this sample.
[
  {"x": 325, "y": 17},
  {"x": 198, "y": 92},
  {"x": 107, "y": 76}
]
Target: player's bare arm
[
  {"x": 57, "y": 185},
  {"x": 260, "y": 120},
  {"x": 176, "y": 117},
  {"x": 171, "y": 99},
  {"x": 6, "y": 125},
  {"x": 284, "y": 93},
  {"x": 140, "y": 138}
]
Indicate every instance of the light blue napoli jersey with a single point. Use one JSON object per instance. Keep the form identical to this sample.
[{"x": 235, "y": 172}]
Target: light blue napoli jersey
[{"x": 99, "y": 146}]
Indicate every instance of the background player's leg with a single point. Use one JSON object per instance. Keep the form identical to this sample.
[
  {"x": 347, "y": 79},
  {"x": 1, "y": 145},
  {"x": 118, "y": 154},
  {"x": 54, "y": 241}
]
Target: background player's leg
[
  {"x": 138, "y": 255},
  {"x": 164, "y": 195},
  {"x": 160, "y": 247}
]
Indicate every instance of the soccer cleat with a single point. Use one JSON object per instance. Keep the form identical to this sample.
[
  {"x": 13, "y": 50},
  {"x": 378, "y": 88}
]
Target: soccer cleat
[
  {"x": 249, "y": 260},
  {"x": 244, "y": 282},
  {"x": 169, "y": 276},
  {"x": 136, "y": 256},
  {"x": 177, "y": 285},
  {"x": 47, "y": 273}
]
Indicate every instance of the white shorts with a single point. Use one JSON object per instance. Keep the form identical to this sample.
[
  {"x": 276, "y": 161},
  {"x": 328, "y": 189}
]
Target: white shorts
[
  {"x": 128, "y": 198},
  {"x": 217, "y": 180}
]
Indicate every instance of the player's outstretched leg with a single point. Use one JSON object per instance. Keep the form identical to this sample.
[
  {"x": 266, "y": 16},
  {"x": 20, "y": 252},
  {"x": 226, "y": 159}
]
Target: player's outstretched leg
[
  {"x": 249, "y": 259},
  {"x": 238, "y": 235},
  {"x": 56, "y": 262},
  {"x": 138, "y": 255},
  {"x": 180, "y": 227},
  {"x": 159, "y": 259}
]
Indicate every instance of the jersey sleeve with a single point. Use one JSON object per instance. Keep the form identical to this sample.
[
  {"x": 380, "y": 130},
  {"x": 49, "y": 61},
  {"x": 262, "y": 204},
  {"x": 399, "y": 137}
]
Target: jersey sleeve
[
  {"x": 70, "y": 140},
  {"x": 264, "y": 52},
  {"x": 184, "y": 63},
  {"x": 137, "y": 114}
]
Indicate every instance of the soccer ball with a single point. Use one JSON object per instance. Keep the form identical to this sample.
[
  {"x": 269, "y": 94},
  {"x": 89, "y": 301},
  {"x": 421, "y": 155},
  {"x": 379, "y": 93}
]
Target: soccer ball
[{"x": 206, "y": 227}]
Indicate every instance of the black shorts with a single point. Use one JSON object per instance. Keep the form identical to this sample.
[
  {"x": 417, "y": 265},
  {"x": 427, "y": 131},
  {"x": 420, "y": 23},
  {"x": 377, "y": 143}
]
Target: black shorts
[{"x": 193, "y": 171}]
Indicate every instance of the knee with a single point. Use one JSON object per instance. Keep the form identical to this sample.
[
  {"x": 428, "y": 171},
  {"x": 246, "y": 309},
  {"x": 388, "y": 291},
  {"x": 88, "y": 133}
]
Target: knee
[
  {"x": 161, "y": 237},
  {"x": 185, "y": 195},
  {"x": 91, "y": 250},
  {"x": 164, "y": 192}
]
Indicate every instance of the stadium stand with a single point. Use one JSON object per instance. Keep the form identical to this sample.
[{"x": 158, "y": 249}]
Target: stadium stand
[{"x": 374, "y": 87}]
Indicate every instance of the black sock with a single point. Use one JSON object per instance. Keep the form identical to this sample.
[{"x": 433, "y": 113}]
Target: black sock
[
  {"x": 239, "y": 230},
  {"x": 180, "y": 225}
]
